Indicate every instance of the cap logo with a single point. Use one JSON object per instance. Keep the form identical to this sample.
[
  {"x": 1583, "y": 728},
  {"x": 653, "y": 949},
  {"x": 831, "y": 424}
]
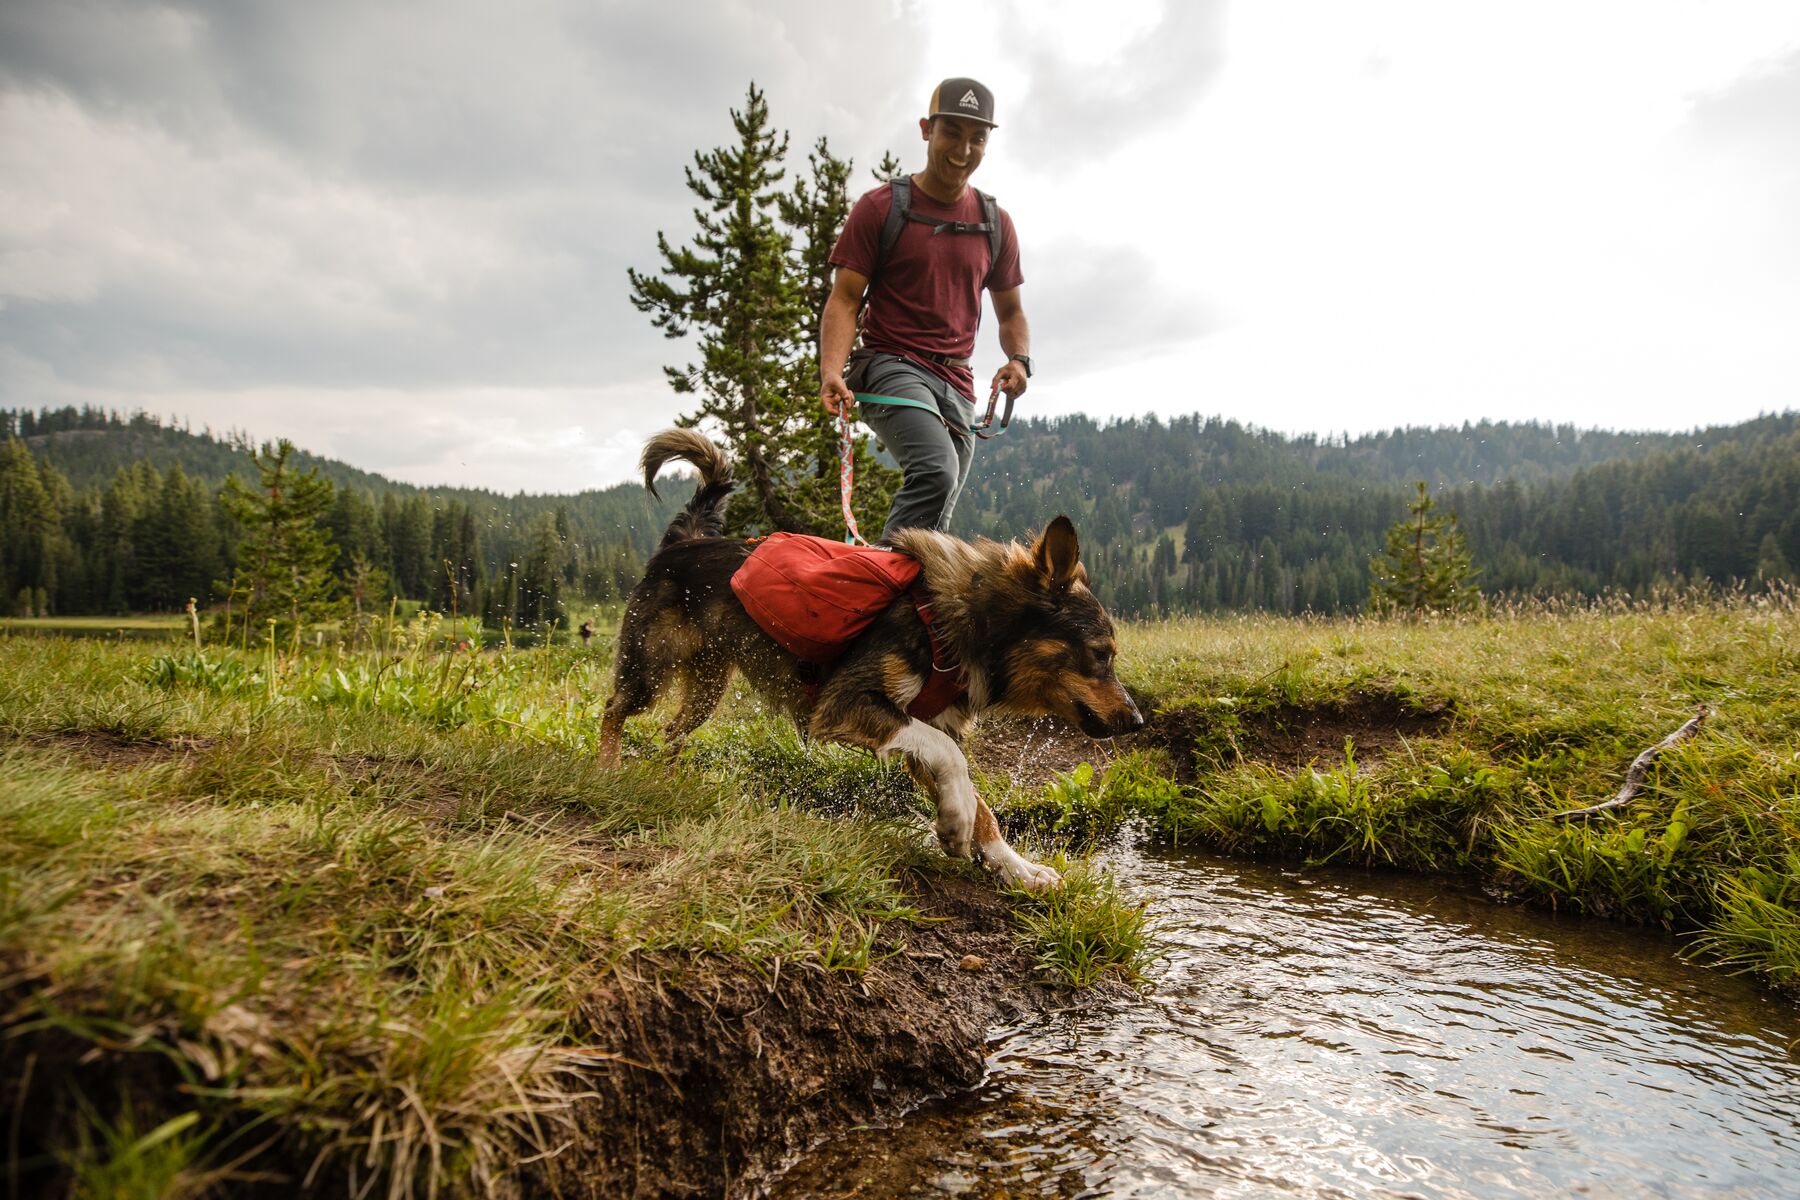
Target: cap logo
[{"x": 969, "y": 100}]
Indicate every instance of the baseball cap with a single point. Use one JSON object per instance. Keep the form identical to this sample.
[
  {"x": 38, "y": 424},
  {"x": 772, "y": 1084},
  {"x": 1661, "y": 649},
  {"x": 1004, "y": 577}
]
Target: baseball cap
[{"x": 960, "y": 97}]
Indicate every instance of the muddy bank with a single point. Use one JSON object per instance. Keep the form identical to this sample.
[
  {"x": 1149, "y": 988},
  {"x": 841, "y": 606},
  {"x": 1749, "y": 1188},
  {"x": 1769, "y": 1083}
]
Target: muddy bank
[
  {"x": 731, "y": 1076},
  {"x": 713, "y": 1081},
  {"x": 706, "y": 1077}
]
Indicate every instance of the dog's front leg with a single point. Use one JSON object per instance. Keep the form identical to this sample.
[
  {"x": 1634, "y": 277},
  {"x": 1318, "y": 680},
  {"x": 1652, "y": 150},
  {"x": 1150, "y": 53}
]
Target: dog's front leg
[
  {"x": 1013, "y": 868},
  {"x": 964, "y": 819},
  {"x": 937, "y": 757}
]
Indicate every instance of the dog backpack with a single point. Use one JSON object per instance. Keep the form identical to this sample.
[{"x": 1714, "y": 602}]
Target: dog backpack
[{"x": 815, "y": 596}]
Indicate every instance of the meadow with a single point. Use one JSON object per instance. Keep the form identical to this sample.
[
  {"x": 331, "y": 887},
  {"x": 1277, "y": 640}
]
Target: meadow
[
  {"x": 152, "y": 626},
  {"x": 1452, "y": 746},
  {"x": 375, "y": 920}
]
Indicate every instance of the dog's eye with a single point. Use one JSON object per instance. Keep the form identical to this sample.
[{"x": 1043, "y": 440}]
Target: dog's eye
[{"x": 1103, "y": 656}]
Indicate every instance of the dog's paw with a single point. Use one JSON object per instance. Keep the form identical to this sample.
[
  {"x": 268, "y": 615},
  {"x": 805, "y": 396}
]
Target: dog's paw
[
  {"x": 1023, "y": 873},
  {"x": 957, "y": 838}
]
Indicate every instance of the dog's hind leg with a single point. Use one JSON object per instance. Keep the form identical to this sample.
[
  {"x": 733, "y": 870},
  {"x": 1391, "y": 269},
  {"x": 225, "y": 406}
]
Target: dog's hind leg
[
  {"x": 705, "y": 686},
  {"x": 638, "y": 679},
  {"x": 631, "y": 696}
]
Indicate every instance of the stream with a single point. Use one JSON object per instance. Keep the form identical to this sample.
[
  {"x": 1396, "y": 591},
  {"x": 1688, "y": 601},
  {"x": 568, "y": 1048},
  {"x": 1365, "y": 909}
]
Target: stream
[{"x": 1337, "y": 1033}]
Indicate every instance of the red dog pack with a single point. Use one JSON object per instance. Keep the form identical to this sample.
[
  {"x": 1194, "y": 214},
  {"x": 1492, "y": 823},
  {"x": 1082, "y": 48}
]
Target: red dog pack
[{"x": 815, "y": 596}]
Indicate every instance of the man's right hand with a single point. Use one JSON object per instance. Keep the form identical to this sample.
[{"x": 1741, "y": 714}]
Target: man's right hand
[{"x": 836, "y": 395}]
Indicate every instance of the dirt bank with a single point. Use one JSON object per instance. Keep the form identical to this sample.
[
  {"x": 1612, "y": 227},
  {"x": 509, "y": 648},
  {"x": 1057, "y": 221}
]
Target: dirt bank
[
  {"x": 733, "y": 1076},
  {"x": 705, "y": 1077}
]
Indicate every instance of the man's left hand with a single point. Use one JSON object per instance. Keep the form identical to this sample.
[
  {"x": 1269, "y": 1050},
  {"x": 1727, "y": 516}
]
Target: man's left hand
[{"x": 1010, "y": 379}]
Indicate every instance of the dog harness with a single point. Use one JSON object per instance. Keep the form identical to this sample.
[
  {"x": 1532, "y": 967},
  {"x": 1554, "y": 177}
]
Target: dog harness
[{"x": 815, "y": 597}]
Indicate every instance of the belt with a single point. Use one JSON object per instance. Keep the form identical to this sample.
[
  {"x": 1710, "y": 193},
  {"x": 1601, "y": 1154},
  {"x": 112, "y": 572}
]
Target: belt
[
  {"x": 928, "y": 356},
  {"x": 943, "y": 359}
]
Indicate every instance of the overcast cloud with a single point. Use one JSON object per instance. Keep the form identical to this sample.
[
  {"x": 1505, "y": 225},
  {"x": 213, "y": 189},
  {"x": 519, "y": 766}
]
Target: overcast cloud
[{"x": 398, "y": 232}]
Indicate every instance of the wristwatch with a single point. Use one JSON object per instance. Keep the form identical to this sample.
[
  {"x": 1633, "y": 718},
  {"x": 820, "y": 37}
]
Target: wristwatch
[{"x": 1024, "y": 360}]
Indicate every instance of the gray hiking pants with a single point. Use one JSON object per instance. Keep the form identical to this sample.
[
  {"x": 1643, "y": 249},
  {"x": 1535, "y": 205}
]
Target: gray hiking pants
[{"x": 924, "y": 423}]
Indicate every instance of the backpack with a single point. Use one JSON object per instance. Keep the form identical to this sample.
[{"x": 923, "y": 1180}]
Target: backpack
[
  {"x": 900, "y": 212},
  {"x": 815, "y": 596}
]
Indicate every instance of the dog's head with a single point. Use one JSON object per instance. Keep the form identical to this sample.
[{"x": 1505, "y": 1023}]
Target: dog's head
[{"x": 1057, "y": 657}]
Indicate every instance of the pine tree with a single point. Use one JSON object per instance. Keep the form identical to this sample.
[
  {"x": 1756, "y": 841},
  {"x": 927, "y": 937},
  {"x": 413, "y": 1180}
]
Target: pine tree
[
  {"x": 541, "y": 575},
  {"x": 1426, "y": 566},
  {"x": 28, "y": 524},
  {"x": 284, "y": 560},
  {"x": 736, "y": 288},
  {"x": 1771, "y": 564},
  {"x": 752, "y": 287}
]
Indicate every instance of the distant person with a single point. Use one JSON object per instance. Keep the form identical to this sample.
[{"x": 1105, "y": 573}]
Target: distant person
[
  {"x": 944, "y": 243},
  {"x": 587, "y": 633}
]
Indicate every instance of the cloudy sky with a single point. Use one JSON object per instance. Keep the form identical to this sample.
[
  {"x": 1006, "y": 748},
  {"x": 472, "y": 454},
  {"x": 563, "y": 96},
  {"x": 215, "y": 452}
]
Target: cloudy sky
[{"x": 398, "y": 232}]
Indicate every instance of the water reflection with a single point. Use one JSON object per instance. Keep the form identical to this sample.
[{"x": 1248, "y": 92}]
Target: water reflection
[{"x": 1337, "y": 1034}]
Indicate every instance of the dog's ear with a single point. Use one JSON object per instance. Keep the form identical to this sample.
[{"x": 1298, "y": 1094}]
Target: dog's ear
[{"x": 1057, "y": 554}]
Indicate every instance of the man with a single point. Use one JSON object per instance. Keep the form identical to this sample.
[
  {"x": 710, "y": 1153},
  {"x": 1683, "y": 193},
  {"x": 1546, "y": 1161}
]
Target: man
[{"x": 911, "y": 372}]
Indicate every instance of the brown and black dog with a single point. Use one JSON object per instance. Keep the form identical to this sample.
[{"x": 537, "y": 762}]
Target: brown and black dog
[{"x": 1031, "y": 638}]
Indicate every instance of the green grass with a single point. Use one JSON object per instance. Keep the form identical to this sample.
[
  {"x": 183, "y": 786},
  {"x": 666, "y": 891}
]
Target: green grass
[
  {"x": 1540, "y": 709},
  {"x": 151, "y": 626},
  {"x": 348, "y": 910},
  {"x": 1087, "y": 931}
]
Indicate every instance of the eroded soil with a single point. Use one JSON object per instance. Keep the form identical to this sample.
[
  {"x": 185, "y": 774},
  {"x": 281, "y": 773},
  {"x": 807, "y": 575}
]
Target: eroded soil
[
  {"x": 708, "y": 1078},
  {"x": 740, "y": 1074}
]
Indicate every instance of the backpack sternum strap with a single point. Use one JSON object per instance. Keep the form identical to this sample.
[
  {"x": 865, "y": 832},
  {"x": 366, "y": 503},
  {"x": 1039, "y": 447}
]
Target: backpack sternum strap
[{"x": 901, "y": 211}]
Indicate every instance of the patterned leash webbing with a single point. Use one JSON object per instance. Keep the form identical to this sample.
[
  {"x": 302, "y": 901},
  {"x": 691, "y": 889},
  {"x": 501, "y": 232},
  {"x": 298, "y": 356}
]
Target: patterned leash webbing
[
  {"x": 847, "y": 452},
  {"x": 846, "y": 478}
]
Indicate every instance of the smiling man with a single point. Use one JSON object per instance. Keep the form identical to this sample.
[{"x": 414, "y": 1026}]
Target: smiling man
[{"x": 918, "y": 252}]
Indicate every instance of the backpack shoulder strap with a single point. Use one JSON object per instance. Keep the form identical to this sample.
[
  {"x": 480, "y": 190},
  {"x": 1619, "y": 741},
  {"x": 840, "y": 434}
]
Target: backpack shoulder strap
[
  {"x": 898, "y": 212},
  {"x": 990, "y": 216}
]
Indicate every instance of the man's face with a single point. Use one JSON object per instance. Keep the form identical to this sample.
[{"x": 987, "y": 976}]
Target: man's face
[{"x": 953, "y": 148}]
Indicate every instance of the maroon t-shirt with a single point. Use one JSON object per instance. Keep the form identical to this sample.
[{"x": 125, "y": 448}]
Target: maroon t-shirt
[{"x": 927, "y": 296}]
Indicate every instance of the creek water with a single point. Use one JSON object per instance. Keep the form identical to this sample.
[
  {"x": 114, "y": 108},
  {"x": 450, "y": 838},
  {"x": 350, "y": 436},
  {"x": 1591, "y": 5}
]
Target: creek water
[{"x": 1322, "y": 1032}]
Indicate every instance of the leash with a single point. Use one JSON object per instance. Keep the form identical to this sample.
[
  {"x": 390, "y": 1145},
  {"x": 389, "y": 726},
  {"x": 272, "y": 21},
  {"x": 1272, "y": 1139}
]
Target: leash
[
  {"x": 846, "y": 477},
  {"x": 980, "y": 430}
]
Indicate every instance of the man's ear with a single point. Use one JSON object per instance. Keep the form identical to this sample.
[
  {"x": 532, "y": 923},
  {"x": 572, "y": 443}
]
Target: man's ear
[
  {"x": 1057, "y": 554},
  {"x": 925, "y": 128}
]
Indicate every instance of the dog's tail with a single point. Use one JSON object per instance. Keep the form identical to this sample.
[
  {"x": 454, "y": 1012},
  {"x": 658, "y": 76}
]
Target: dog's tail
[{"x": 704, "y": 515}]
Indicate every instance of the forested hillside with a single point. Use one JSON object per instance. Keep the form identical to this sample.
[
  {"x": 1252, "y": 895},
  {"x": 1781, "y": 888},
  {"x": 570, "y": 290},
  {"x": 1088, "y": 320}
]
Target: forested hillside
[
  {"x": 102, "y": 514},
  {"x": 1199, "y": 514}
]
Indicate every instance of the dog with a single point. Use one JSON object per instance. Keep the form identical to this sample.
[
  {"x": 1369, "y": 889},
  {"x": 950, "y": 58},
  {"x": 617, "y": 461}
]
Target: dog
[{"x": 1030, "y": 637}]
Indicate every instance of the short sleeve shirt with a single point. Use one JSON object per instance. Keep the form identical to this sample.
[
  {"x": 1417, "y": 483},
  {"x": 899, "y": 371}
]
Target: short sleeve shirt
[{"x": 927, "y": 296}]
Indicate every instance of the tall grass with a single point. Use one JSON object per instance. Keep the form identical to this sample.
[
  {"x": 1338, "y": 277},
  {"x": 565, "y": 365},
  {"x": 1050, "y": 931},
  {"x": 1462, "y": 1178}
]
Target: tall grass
[
  {"x": 356, "y": 904},
  {"x": 1543, "y": 706}
]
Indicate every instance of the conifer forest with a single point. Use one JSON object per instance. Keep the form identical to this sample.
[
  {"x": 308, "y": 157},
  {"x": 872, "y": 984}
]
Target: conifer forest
[{"x": 104, "y": 513}]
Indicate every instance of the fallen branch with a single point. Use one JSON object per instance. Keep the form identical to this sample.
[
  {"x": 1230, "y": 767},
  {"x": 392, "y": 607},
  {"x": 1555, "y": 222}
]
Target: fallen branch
[{"x": 1640, "y": 767}]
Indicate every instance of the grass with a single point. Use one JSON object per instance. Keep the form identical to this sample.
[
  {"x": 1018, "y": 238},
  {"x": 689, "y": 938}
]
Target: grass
[
  {"x": 348, "y": 911},
  {"x": 1533, "y": 710},
  {"x": 1087, "y": 930},
  {"x": 154, "y": 626}
]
